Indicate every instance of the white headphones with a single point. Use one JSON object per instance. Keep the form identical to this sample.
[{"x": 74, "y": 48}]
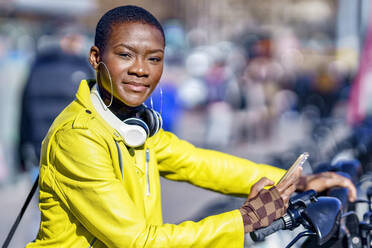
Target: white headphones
[{"x": 135, "y": 130}]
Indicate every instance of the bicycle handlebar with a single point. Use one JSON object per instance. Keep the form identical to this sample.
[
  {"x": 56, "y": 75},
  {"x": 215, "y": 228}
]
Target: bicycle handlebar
[
  {"x": 289, "y": 220},
  {"x": 309, "y": 210},
  {"x": 260, "y": 234}
]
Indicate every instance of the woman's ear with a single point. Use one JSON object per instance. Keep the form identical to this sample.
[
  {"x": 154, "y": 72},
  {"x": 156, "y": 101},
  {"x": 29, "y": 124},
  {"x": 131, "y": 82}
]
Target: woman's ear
[{"x": 94, "y": 57}]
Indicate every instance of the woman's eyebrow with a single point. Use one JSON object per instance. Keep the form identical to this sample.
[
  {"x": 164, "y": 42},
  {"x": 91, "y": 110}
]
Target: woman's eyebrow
[
  {"x": 126, "y": 46},
  {"x": 134, "y": 50},
  {"x": 157, "y": 51}
]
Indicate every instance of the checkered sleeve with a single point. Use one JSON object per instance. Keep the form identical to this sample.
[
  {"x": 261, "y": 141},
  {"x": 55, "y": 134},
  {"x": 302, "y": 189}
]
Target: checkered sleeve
[{"x": 262, "y": 210}]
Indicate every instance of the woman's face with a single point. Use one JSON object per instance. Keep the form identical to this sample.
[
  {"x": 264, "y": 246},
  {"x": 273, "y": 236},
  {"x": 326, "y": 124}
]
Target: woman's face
[{"x": 134, "y": 57}]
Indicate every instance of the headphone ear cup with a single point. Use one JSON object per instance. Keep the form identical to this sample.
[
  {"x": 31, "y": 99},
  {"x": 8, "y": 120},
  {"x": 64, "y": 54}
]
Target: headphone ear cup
[
  {"x": 155, "y": 118},
  {"x": 138, "y": 122},
  {"x": 159, "y": 119},
  {"x": 151, "y": 121},
  {"x": 134, "y": 132}
]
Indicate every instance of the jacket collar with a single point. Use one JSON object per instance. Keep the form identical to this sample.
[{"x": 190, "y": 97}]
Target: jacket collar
[
  {"x": 83, "y": 93},
  {"x": 83, "y": 97}
]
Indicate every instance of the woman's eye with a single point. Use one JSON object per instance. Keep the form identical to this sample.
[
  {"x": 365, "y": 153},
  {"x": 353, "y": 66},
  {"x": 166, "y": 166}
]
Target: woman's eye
[
  {"x": 124, "y": 55},
  {"x": 155, "y": 59}
]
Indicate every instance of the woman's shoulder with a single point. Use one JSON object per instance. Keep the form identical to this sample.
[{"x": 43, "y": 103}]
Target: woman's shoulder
[{"x": 78, "y": 119}]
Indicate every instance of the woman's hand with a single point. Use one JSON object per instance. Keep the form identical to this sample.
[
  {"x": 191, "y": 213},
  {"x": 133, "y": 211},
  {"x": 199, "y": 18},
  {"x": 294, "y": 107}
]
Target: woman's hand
[
  {"x": 260, "y": 185},
  {"x": 285, "y": 188},
  {"x": 326, "y": 180},
  {"x": 288, "y": 186},
  {"x": 264, "y": 206}
]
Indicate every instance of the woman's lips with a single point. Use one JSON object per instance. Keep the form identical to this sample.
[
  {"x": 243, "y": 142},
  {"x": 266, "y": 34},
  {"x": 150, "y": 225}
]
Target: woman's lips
[{"x": 137, "y": 87}]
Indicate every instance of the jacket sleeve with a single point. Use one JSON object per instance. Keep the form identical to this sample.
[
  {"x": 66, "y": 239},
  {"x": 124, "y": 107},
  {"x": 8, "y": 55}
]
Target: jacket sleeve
[
  {"x": 180, "y": 160},
  {"x": 85, "y": 181}
]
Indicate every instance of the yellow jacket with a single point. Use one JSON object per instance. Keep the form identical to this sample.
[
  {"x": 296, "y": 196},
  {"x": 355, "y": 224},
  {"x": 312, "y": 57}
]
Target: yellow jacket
[{"x": 96, "y": 192}]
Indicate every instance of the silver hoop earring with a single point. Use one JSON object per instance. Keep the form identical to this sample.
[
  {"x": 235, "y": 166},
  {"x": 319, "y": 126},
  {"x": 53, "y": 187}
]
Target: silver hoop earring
[
  {"x": 161, "y": 101},
  {"x": 111, "y": 86},
  {"x": 151, "y": 102}
]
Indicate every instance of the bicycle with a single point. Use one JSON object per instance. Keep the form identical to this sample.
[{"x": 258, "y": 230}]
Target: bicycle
[{"x": 329, "y": 221}]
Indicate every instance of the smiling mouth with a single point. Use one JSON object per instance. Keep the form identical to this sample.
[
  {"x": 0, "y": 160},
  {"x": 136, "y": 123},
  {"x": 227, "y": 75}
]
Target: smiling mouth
[
  {"x": 137, "y": 84},
  {"x": 134, "y": 86}
]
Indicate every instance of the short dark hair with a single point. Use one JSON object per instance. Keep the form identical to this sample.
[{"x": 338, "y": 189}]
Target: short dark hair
[{"x": 123, "y": 14}]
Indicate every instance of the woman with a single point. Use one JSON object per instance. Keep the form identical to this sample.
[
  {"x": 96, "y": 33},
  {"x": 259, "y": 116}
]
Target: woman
[{"x": 99, "y": 177}]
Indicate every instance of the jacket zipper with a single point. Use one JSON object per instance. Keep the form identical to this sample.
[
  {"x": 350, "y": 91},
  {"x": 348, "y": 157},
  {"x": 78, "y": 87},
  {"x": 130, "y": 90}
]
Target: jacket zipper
[
  {"x": 93, "y": 241},
  {"x": 120, "y": 159},
  {"x": 147, "y": 171}
]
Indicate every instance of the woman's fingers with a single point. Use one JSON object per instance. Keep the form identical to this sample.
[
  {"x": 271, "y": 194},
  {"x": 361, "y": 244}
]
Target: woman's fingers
[
  {"x": 326, "y": 180},
  {"x": 285, "y": 188},
  {"x": 286, "y": 195},
  {"x": 290, "y": 180},
  {"x": 257, "y": 187},
  {"x": 288, "y": 186}
]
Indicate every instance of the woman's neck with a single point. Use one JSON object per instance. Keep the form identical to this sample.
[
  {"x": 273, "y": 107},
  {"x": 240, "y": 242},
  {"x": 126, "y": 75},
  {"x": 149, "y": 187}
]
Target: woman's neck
[{"x": 117, "y": 107}]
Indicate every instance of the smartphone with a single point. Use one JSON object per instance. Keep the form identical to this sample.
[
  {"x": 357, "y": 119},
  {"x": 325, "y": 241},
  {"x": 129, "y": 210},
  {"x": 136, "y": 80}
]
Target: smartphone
[{"x": 299, "y": 162}]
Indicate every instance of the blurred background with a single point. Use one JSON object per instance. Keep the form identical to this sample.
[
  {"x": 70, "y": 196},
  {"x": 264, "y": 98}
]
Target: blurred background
[{"x": 265, "y": 80}]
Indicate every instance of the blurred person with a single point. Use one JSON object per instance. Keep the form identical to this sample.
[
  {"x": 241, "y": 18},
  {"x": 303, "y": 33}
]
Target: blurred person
[
  {"x": 99, "y": 173},
  {"x": 216, "y": 79},
  {"x": 325, "y": 91},
  {"x": 260, "y": 89},
  {"x": 259, "y": 81},
  {"x": 219, "y": 113},
  {"x": 52, "y": 81}
]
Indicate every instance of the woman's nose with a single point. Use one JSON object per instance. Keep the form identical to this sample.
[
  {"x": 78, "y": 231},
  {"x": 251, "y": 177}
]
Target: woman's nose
[{"x": 139, "y": 68}]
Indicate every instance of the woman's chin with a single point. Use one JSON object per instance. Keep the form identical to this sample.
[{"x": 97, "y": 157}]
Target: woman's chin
[{"x": 133, "y": 101}]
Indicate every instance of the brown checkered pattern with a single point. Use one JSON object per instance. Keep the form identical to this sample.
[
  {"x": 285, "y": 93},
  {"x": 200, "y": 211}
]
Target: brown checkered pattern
[{"x": 262, "y": 210}]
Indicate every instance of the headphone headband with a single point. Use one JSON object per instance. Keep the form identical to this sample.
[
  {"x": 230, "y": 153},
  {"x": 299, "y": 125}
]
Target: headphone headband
[{"x": 133, "y": 130}]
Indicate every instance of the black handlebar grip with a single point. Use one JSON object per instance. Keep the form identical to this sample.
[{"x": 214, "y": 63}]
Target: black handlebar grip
[{"x": 260, "y": 234}]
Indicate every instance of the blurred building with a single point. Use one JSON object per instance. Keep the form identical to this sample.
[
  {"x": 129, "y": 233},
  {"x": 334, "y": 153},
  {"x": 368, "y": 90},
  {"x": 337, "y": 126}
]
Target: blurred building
[{"x": 282, "y": 58}]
